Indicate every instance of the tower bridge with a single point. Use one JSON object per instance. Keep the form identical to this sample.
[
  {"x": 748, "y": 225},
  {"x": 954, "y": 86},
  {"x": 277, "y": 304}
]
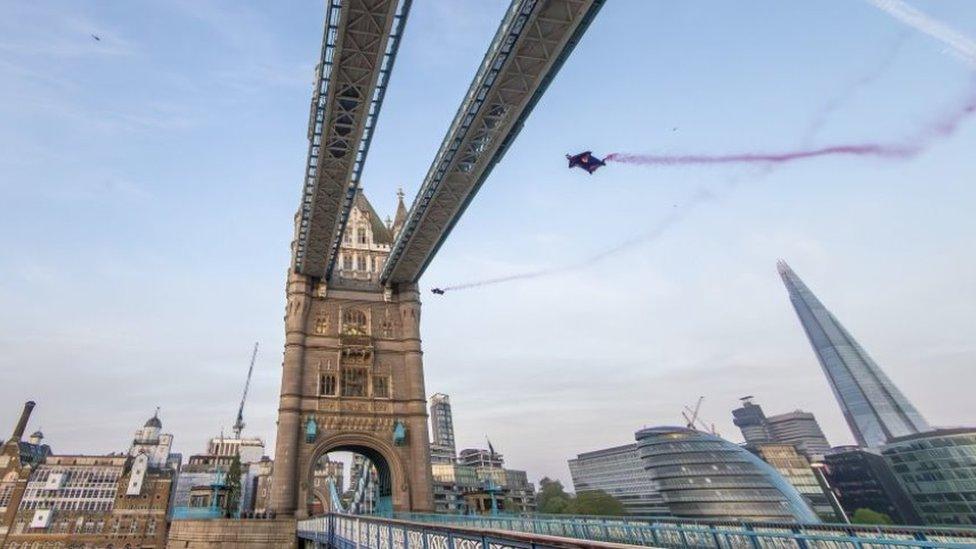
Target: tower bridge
[{"x": 352, "y": 373}]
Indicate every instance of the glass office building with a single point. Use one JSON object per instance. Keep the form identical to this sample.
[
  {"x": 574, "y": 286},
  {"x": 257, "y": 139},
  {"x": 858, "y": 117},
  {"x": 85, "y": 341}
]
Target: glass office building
[
  {"x": 862, "y": 479},
  {"x": 874, "y": 408},
  {"x": 442, "y": 449},
  {"x": 938, "y": 471},
  {"x": 703, "y": 476},
  {"x": 797, "y": 470},
  {"x": 618, "y": 471}
]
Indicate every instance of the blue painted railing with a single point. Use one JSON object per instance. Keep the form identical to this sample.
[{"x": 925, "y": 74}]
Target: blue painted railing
[
  {"x": 197, "y": 513},
  {"x": 423, "y": 531}
]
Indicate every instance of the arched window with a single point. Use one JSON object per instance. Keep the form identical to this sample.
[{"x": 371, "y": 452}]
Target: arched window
[{"x": 354, "y": 322}]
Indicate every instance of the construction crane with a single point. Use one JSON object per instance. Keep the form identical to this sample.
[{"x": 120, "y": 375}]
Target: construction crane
[
  {"x": 694, "y": 422},
  {"x": 239, "y": 423}
]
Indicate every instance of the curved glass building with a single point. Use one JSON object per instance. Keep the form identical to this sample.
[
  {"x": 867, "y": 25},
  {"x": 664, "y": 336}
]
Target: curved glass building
[{"x": 704, "y": 476}]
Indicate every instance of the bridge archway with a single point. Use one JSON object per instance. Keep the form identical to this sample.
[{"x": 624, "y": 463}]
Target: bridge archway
[{"x": 393, "y": 482}]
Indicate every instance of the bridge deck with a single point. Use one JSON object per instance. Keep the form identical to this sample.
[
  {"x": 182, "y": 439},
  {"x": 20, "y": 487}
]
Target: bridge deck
[
  {"x": 426, "y": 531},
  {"x": 359, "y": 48},
  {"x": 533, "y": 41}
]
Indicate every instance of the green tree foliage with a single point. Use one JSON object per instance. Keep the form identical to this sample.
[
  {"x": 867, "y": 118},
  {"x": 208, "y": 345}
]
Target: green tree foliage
[
  {"x": 595, "y": 502},
  {"x": 553, "y": 499},
  {"x": 233, "y": 483},
  {"x": 869, "y": 516}
]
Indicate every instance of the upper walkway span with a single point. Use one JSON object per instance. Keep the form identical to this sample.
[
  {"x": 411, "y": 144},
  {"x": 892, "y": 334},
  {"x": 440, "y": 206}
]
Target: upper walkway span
[
  {"x": 359, "y": 48},
  {"x": 533, "y": 41}
]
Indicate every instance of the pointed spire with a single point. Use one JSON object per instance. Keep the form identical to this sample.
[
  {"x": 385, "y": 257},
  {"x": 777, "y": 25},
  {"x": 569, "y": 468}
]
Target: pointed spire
[{"x": 401, "y": 213}]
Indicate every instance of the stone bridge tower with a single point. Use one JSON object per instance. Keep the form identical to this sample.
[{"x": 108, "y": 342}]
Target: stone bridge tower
[{"x": 352, "y": 376}]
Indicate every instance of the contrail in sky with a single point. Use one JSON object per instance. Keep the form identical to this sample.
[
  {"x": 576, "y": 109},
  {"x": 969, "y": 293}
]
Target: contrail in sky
[
  {"x": 961, "y": 45},
  {"x": 657, "y": 230},
  {"x": 824, "y": 113}
]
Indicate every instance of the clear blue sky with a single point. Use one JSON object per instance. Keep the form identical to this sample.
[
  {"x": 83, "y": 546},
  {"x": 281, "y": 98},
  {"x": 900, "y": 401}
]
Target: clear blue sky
[{"x": 148, "y": 182}]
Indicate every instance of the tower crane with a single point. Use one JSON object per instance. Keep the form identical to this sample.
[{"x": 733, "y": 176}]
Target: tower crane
[
  {"x": 239, "y": 423},
  {"x": 695, "y": 422}
]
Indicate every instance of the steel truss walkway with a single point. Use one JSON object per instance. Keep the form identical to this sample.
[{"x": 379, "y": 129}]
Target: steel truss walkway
[
  {"x": 358, "y": 51},
  {"x": 529, "y": 532},
  {"x": 532, "y": 43}
]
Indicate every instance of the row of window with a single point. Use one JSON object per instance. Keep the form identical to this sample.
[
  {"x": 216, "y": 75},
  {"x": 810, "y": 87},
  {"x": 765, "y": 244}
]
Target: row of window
[
  {"x": 361, "y": 262},
  {"x": 73, "y": 476},
  {"x": 355, "y": 383},
  {"x": 67, "y": 505},
  {"x": 71, "y": 493},
  {"x": 82, "y": 526}
]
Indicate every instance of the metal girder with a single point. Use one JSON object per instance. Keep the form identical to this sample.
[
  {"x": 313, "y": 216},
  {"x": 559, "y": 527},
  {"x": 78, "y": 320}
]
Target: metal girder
[
  {"x": 359, "y": 48},
  {"x": 533, "y": 41}
]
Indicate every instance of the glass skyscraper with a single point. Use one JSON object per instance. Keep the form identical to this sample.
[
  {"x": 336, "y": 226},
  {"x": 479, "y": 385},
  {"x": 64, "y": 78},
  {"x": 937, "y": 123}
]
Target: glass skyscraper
[
  {"x": 874, "y": 408},
  {"x": 442, "y": 449}
]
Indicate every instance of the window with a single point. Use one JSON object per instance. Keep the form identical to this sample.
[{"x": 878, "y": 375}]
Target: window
[
  {"x": 347, "y": 237},
  {"x": 6, "y": 492},
  {"x": 321, "y": 325},
  {"x": 360, "y": 263},
  {"x": 328, "y": 385},
  {"x": 346, "y": 262},
  {"x": 381, "y": 387},
  {"x": 354, "y": 382},
  {"x": 354, "y": 322},
  {"x": 362, "y": 236}
]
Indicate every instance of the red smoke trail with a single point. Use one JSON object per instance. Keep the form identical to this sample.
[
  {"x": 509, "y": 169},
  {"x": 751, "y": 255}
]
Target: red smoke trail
[
  {"x": 867, "y": 149},
  {"x": 940, "y": 128}
]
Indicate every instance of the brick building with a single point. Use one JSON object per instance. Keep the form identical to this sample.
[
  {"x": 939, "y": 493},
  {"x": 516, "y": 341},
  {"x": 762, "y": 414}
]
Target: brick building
[{"x": 113, "y": 500}]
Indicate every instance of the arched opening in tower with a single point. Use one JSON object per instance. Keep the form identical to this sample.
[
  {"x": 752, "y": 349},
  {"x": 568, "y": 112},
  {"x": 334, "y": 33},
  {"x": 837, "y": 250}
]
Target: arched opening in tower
[{"x": 351, "y": 479}]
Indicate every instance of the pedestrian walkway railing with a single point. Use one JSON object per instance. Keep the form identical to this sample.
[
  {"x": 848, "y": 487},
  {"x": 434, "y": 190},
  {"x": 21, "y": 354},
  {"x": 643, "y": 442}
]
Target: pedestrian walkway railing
[{"x": 443, "y": 531}]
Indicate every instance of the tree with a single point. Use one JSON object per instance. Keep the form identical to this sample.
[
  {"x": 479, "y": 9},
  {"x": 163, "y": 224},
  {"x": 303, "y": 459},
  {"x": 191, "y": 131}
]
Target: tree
[
  {"x": 595, "y": 502},
  {"x": 552, "y": 497},
  {"x": 870, "y": 516},
  {"x": 233, "y": 484}
]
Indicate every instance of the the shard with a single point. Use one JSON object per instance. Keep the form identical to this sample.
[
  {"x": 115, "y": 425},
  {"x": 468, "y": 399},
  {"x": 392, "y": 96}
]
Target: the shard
[{"x": 873, "y": 406}]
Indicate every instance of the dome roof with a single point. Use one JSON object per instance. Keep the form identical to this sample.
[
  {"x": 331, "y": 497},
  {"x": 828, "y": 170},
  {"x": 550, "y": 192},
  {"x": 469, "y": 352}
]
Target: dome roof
[
  {"x": 37, "y": 434},
  {"x": 154, "y": 421}
]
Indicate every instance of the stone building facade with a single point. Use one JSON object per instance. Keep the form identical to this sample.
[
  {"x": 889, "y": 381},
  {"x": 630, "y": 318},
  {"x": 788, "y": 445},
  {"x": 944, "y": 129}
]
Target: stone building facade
[
  {"x": 113, "y": 500},
  {"x": 352, "y": 375}
]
